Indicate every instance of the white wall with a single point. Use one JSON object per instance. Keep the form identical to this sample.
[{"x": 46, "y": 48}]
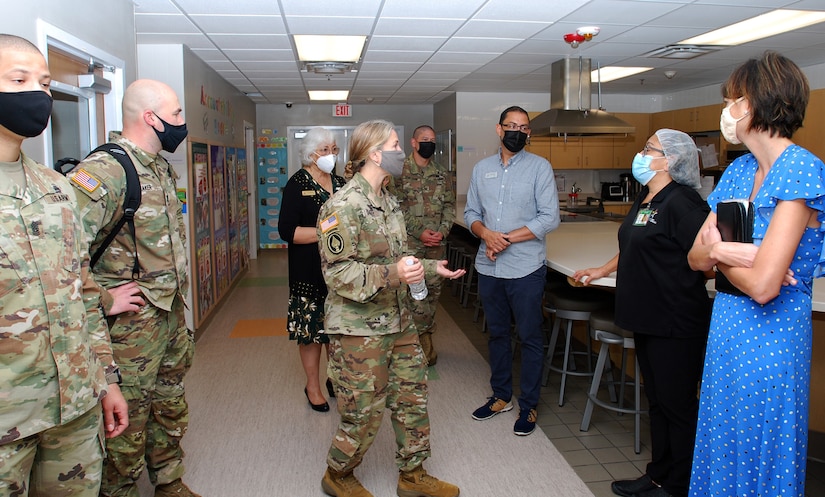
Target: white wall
[
  {"x": 476, "y": 118},
  {"x": 106, "y": 24}
]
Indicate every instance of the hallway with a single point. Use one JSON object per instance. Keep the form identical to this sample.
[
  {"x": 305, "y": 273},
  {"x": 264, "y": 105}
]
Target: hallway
[{"x": 250, "y": 385}]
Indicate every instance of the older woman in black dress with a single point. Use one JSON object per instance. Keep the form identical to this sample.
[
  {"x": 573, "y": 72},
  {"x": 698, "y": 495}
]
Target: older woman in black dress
[{"x": 303, "y": 196}]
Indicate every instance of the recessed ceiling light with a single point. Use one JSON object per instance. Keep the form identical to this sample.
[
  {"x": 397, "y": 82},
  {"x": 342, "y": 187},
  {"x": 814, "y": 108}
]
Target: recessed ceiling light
[
  {"x": 321, "y": 48},
  {"x": 611, "y": 73},
  {"x": 756, "y": 28},
  {"x": 331, "y": 95}
]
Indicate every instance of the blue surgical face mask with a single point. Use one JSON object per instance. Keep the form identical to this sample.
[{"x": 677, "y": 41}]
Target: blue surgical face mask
[{"x": 641, "y": 169}]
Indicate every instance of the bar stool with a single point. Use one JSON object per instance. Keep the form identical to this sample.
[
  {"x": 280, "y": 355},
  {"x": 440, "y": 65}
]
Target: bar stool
[
  {"x": 571, "y": 304},
  {"x": 604, "y": 330},
  {"x": 469, "y": 285},
  {"x": 456, "y": 260}
]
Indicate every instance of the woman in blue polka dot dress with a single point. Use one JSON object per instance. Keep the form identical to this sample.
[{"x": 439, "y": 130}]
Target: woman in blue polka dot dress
[{"x": 752, "y": 435}]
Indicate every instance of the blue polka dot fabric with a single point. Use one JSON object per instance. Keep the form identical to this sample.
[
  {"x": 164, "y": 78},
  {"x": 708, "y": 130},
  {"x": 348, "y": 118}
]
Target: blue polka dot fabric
[{"x": 752, "y": 434}]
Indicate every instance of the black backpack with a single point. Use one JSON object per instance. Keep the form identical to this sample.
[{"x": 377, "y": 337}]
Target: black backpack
[{"x": 130, "y": 205}]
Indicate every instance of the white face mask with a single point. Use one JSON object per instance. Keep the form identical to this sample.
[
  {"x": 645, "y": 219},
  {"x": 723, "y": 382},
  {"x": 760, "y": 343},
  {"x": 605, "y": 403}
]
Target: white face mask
[
  {"x": 727, "y": 123},
  {"x": 326, "y": 163}
]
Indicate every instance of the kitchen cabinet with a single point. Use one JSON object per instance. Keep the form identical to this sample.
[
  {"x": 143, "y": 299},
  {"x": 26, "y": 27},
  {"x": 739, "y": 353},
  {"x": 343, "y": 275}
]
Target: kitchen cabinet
[
  {"x": 810, "y": 135},
  {"x": 620, "y": 209},
  {"x": 626, "y": 147},
  {"x": 689, "y": 120},
  {"x": 581, "y": 152},
  {"x": 694, "y": 119},
  {"x": 539, "y": 145},
  {"x": 659, "y": 120}
]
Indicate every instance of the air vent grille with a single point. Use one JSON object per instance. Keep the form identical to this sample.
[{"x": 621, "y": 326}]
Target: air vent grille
[{"x": 682, "y": 52}]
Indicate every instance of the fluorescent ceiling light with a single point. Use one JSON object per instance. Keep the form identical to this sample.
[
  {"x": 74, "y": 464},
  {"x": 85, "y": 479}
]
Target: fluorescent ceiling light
[
  {"x": 321, "y": 48},
  {"x": 755, "y": 28},
  {"x": 332, "y": 95},
  {"x": 611, "y": 73}
]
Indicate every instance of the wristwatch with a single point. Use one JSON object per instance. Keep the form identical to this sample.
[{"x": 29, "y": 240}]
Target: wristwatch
[{"x": 113, "y": 376}]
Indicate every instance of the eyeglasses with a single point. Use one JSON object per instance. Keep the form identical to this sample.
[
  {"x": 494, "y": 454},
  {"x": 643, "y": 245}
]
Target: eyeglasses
[
  {"x": 327, "y": 151},
  {"x": 524, "y": 128},
  {"x": 648, "y": 148}
]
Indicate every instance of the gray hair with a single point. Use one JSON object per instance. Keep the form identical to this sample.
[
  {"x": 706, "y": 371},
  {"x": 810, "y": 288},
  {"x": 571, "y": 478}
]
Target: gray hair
[
  {"x": 314, "y": 138},
  {"x": 682, "y": 157}
]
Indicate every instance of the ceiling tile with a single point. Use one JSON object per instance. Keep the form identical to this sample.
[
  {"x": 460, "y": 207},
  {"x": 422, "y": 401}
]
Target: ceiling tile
[{"x": 468, "y": 45}]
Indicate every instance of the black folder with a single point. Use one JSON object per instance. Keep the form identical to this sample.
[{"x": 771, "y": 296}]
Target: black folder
[{"x": 734, "y": 218}]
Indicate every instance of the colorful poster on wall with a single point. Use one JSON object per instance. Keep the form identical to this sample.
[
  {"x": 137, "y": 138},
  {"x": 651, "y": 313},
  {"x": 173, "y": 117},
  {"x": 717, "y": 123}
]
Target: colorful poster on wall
[
  {"x": 272, "y": 177},
  {"x": 232, "y": 211},
  {"x": 204, "y": 296},
  {"x": 217, "y": 157},
  {"x": 243, "y": 208}
]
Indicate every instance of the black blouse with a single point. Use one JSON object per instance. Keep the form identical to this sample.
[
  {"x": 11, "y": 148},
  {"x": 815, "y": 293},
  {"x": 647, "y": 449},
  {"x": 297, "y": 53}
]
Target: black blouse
[
  {"x": 656, "y": 291},
  {"x": 302, "y": 199}
]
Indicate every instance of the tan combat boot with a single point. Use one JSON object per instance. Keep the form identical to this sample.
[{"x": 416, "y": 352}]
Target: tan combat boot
[
  {"x": 174, "y": 489},
  {"x": 417, "y": 483},
  {"x": 343, "y": 484}
]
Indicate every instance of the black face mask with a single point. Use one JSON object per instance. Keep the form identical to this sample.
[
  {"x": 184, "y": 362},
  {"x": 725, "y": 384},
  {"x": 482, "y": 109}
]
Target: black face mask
[
  {"x": 25, "y": 113},
  {"x": 171, "y": 136},
  {"x": 514, "y": 141},
  {"x": 426, "y": 149}
]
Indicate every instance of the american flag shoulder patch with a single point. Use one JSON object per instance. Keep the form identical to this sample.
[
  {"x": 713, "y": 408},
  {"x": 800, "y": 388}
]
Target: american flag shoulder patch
[
  {"x": 329, "y": 223},
  {"x": 85, "y": 180}
]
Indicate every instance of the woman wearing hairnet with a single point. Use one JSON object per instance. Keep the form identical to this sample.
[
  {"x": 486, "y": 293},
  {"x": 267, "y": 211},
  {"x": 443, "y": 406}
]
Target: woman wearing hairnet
[{"x": 664, "y": 303}]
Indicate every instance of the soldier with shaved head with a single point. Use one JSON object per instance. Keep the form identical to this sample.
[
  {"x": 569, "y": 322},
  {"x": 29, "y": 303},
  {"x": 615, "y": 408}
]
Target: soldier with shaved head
[
  {"x": 151, "y": 342},
  {"x": 55, "y": 354}
]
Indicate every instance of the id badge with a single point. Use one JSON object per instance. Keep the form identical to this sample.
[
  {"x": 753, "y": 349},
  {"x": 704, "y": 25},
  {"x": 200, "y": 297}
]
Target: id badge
[{"x": 643, "y": 217}]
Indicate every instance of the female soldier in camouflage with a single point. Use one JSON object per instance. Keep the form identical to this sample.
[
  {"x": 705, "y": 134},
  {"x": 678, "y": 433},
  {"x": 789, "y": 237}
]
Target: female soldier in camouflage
[{"x": 375, "y": 357}]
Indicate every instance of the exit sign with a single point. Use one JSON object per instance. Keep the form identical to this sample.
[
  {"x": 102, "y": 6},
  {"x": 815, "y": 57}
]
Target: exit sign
[{"x": 342, "y": 110}]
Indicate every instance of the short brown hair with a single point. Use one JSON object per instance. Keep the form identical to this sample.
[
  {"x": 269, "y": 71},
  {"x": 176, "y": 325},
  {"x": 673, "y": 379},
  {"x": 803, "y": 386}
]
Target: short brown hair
[{"x": 777, "y": 91}]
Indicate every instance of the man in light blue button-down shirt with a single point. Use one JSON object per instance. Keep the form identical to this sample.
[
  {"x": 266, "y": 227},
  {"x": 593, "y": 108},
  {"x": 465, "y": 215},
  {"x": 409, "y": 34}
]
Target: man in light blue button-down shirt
[{"x": 512, "y": 204}]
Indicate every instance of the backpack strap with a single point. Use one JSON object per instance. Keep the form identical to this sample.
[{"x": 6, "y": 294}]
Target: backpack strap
[{"x": 130, "y": 205}]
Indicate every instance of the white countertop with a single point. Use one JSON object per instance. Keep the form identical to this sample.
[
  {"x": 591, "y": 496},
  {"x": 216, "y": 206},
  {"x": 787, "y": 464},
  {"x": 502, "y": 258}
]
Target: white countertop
[{"x": 574, "y": 246}]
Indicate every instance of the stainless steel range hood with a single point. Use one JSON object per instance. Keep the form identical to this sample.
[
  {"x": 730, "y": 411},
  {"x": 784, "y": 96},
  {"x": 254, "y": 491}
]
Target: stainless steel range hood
[{"x": 570, "y": 112}]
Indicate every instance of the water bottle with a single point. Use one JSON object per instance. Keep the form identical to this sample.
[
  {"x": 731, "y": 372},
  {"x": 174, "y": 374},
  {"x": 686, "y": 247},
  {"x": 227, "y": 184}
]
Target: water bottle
[{"x": 417, "y": 290}]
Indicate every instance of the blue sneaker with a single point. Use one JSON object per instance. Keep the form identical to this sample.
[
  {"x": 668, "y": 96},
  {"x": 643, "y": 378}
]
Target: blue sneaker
[
  {"x": 491, "y": 408},
  {"x": 526, "y": 422}
]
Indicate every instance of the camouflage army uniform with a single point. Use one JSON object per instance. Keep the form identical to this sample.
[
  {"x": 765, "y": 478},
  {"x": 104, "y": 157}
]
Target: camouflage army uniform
[
  {"x": 427, "y": 197},
  {"x": 375, "y": 359},
  {"x": 53, "y": 342},
  {"x": 153, "y": 347}
]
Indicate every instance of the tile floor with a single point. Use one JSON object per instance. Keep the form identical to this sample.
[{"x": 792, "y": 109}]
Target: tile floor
[{"x": 605, "y": 452}]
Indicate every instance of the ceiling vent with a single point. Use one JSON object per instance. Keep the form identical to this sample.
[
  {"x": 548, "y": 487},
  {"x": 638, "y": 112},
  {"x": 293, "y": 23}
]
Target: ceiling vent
[
  {"x": 329, "y": 67},
  {"x": 682, "y": 52}
]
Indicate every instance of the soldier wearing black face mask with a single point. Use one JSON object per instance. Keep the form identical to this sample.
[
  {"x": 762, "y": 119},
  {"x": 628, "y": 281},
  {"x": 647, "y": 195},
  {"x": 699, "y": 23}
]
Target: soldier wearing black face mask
[
  {"x": 56, "y": 357},
  {"x": 151, "y": 343},
  {"x": 426, "y": 193}
]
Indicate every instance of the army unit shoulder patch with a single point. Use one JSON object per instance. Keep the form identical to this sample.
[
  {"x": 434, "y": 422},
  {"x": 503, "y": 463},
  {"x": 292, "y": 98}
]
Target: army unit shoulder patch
[
  {"x": 329, "y": 223},
  {"x": 335, "y": 243},
  {"x": 85, "y": 180}
]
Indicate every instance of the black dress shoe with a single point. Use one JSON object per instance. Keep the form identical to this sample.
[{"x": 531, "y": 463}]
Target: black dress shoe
[
  {"x": 627, "y": 488},
  {"x": 317, "y": 407},
  {"x": 655, "y": 492},
  {"x": 330, "y": 388}
]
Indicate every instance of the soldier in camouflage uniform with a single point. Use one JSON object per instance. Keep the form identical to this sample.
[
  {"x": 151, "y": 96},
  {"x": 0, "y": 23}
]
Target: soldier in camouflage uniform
[
  {"x": 152, "y": 345},
  {"x": 375, "y": 358},
  {"x": 427, "y": 197},
  {"x": 54, "y": 348}
]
